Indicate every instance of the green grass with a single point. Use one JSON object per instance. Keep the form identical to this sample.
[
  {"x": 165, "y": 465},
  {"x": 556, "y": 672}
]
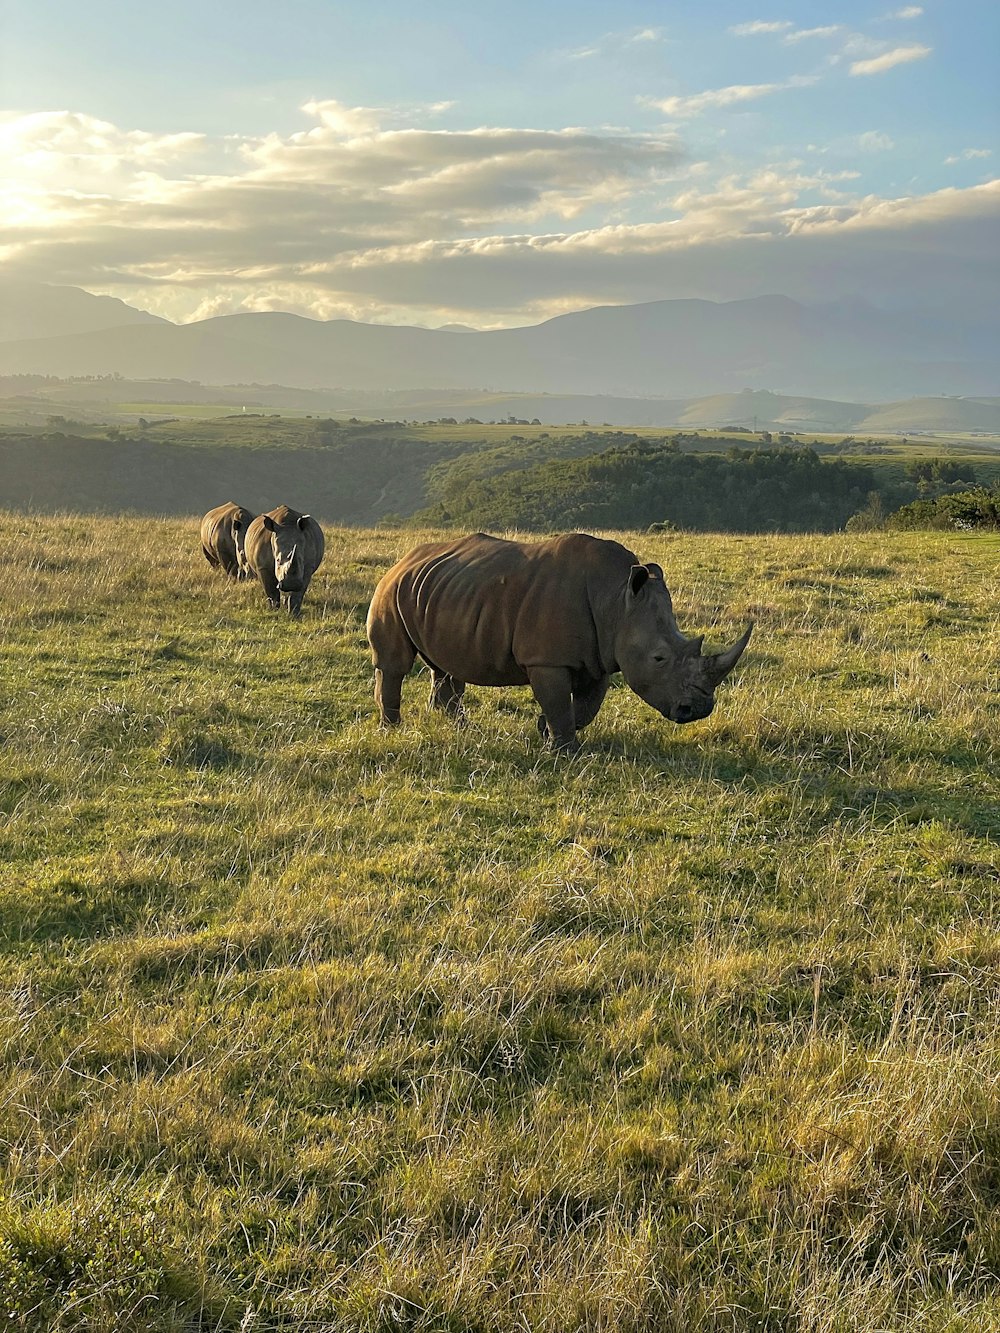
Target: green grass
[{"x": 307, "y": 1026}]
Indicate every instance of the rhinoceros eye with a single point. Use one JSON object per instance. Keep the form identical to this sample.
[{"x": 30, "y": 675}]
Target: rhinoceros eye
[{"x": 658, "y": 657}]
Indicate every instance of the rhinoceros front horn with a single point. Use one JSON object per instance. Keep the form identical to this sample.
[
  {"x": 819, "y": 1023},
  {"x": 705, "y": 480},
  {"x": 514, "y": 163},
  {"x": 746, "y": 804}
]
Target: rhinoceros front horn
[{"x": 720, "y": 664}]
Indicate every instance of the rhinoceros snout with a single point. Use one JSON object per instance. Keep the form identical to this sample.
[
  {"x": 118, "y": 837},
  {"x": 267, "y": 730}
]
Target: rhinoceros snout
[{"x": 682, "y": 713}]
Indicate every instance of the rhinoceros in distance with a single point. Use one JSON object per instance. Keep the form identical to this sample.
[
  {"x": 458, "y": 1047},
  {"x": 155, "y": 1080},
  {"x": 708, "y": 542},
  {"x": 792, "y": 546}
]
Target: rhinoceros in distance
[
  {"x": 560, "y": 615},
  {"x": 284, "y": 549},
  {"x": 223, "y": 535}
]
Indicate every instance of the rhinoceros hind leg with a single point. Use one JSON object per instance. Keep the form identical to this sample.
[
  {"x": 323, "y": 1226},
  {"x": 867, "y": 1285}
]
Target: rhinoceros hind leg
[
  {"x": 446, "y": 694},
  {"x": 388, "y": 696},
  {"x": 552, "y": 688},
  {"x": 393, "y": 655}
]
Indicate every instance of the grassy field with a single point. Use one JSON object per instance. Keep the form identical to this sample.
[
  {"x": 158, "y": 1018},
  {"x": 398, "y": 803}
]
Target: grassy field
[{"x": 306, "y": 1026}]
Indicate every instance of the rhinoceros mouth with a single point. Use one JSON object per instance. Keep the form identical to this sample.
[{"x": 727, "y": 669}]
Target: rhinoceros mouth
[{"x": 682, "y": 714}]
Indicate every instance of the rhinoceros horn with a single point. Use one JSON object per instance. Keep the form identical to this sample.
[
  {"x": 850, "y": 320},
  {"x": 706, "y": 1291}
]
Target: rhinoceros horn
[{"x": 720, "y": 664}]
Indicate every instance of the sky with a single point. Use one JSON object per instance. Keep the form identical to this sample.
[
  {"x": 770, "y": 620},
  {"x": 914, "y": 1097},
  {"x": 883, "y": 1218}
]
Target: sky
[{"x": 497, "y": 164}]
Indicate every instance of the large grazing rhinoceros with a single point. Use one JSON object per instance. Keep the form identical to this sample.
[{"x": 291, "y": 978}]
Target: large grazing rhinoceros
[
  {"x": 559, "y": 615},
  {"x": 223, "y": 533},
  {"x": 284, "y": 549}
]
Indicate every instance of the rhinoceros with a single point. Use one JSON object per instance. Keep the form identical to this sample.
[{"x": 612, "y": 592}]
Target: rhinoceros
[
  {"x": 284, "y": 549},
  {"x": 560, "y": 615},
  {"x": 223, "y": 533}
]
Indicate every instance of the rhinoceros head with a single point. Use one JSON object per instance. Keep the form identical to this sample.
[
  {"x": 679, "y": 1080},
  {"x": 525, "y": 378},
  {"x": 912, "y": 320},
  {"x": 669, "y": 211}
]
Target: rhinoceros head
[
  {"x": 659, "y": 663},
  {"x": 241, "y": 521},
  {"x": 289, "y": 556}
]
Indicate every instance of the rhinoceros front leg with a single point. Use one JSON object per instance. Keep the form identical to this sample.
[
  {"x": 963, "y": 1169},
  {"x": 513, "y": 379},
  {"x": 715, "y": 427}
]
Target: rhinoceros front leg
[
  {"x": 270, "y": 585},
  {"x": 553, "y": 689},
  {"x": 587, "y": 699},
  {"x": 446, "y": 693}
]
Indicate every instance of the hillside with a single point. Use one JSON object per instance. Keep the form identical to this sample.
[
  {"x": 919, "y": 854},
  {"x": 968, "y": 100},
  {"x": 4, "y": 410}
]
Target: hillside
[
  {"x": 359, "y": 472},
  {"x": 664, "y": 348},
  {"x": 31, "y": 399},
  {"x": 374, "y": 475},
  {"x": 311, "y": 1026},
  {"x": 933, "y": 414}
]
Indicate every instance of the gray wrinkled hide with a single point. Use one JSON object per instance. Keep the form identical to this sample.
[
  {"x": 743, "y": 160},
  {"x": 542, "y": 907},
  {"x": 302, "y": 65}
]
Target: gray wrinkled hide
[
  {"x": 561, "y": 616},
  {"x": 284, "y": 549},
  {"x": 223, "y": 534}
]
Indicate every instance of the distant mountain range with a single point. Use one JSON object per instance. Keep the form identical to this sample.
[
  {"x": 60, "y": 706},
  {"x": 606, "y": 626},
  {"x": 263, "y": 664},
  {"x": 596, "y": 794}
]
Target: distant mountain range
[{"x": 663, "y": 349}]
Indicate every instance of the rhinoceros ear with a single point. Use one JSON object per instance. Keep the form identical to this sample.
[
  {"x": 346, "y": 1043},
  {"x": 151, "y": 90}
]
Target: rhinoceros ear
[
  {"x": 637, "y": 579},
  {"x": 655, "y": 572},
  {"x": 722, "y": 663},
  {"x": 304, "y": 521},
  {"x": 269, "y": 523}
]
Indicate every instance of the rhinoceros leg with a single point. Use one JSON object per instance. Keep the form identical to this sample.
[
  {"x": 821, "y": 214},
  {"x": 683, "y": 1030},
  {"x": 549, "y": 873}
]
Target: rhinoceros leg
[
  {"x": 393, "y": 654},
  {"x": 270, "y": 585},
  {"x": 388, "y": 695},
  {"x": 446, "y": 693},
  {"x": 553, "y": 689},
  {"x": 588, "y": 696}
]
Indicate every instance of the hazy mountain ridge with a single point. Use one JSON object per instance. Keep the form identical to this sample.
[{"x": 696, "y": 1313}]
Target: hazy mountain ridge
[
  {"x": 673, "y": 349},
  {"x": 32, "y": 310}
]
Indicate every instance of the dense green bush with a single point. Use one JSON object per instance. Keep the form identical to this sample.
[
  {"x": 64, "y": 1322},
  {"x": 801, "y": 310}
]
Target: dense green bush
[
  {"x": 975, "y": 508},
  {"x": 638, "y": 485}
]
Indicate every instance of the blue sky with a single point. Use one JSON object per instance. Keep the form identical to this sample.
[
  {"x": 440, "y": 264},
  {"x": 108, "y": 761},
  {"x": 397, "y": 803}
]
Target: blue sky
[{"x": 496, "y": 164}]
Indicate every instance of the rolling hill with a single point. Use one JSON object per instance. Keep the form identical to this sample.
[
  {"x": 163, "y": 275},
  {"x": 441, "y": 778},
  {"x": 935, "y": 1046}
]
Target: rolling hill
[{"x": 32, "y": 400}]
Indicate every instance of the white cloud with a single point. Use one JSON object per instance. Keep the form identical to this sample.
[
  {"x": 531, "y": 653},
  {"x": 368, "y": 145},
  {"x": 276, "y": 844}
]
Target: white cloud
[
  {"x": 907, "y": 12},
  {"x": 344, "y": 121},
  {"x": 968, "y": 155},
  {"x": 56, "y": 140},
  {"x": 802, "y": 34},
  {"x": 615, "y": 43},
  {"x": 759, "y": 26},
  {"x": 717, "y": 97},
  {"x": 343, "y": 186},
  {"x": 696, "y": 103},
  {"x": 888, "y": 60},
  {"x": 874, "y": 141}
]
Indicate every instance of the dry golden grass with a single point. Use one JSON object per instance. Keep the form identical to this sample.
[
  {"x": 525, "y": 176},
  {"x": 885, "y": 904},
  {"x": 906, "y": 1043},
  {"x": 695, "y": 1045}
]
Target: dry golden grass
[{"x": 309, "y": 1026}]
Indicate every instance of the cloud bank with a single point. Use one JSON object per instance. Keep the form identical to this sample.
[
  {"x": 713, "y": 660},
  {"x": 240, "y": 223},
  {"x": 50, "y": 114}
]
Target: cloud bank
[{"x": 367, "y": 215}]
